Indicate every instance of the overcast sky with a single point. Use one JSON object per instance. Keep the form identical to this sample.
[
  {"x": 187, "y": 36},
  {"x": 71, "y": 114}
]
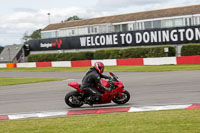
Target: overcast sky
[{"x": 24, "y": 16}]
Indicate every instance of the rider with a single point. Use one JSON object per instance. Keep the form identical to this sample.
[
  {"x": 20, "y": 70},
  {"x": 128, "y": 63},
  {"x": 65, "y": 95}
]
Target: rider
[{"x": 92, "y": 78}]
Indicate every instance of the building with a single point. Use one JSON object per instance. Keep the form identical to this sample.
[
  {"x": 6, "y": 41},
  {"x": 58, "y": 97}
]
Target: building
[
  {"x": 13, "y": 54},
  {"x": 166, "y": 26}
]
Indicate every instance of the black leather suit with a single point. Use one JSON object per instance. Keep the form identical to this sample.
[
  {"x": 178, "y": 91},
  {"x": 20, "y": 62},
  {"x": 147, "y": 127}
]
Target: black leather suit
[{"x": 91, "y": 79}]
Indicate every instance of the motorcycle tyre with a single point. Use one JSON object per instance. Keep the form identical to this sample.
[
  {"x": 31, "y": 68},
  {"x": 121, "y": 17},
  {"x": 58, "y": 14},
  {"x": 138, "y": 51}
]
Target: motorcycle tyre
[
  {"x": 115, "y": 100},
  {"x": 68, "y": 95}
]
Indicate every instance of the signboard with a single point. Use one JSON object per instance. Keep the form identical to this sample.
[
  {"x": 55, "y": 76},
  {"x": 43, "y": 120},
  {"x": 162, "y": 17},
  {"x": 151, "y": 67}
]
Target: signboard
[{"x": 178, "y": 35}]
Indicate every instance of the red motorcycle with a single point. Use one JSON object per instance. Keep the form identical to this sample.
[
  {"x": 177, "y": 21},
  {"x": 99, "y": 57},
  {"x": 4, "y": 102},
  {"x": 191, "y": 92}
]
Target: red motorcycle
[{"x": 117, "y": 94}]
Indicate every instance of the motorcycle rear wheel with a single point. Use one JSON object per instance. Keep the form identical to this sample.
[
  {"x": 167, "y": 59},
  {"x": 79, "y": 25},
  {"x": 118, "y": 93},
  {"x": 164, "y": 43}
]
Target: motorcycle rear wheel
[
  {"x": 73, "y": 99},
  {"x": 123, "y": 99}
]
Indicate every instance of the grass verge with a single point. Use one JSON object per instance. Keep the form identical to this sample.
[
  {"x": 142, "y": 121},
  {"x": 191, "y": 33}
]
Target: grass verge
[
  {"x": 135, "y": 68},
  {"x": 17, "y": 80},
  {"x": 171, "y": 121}
]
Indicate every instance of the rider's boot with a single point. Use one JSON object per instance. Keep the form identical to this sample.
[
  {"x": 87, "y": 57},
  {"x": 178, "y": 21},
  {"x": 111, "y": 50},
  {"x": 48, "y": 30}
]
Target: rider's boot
[{"x": 89, "y": 101}]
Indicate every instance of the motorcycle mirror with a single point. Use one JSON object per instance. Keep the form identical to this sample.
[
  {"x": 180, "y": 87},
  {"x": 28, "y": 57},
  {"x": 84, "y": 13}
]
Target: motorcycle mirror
[{"x": 111, "y": 73}]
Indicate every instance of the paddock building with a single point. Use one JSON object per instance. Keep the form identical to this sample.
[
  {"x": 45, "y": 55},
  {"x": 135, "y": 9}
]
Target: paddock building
[{"x": 173, "y": 26}]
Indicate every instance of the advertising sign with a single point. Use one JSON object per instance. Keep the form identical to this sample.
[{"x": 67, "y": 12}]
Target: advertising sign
[{"x": 178, "y": 35}]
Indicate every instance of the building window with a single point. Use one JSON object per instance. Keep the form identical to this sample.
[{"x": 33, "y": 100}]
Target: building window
[
  {"x": 136, "y": 26},
  {"x": 54, "y": 34},
  {"x": 102, "y": 29},
  {"x": 157, "y": 24},
  {"x": 130, "y": 27},
  {"x": 109, "y": 28},
  {"x": 92, "y": 29},
  {"x": 95, "y": 29},
  {"x": 147, "y": 25},
  {"x": 140, "y": 25},
  {"x": 196, "y": 20},
  {"x": 117, "y": 28},
  {"x": 42, "y": 35},
  {"x": 73, "y": 32},
  {"x": 89, "y": 31},
  {"x": 168, "y": 23},
  {"x": 124, "y": 27},
  {"x": 188, "y": 21},
  {"x": 178, "y": 22},
  {"x": 61, "y": 33},
  {"x": 67, "y": 32},
  {"x": 50, "y": 34},
  {"x": 82, "y": 31}
]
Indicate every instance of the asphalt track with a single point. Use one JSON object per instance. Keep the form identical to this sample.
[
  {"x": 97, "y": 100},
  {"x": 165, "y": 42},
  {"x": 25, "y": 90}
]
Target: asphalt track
[{"x": 146, "y": 88}]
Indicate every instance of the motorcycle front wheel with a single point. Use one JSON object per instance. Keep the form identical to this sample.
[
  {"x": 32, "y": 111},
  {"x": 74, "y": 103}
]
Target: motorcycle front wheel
[
  {"x": 122, "y": 99},
  {"x": 73, "y": 99}
]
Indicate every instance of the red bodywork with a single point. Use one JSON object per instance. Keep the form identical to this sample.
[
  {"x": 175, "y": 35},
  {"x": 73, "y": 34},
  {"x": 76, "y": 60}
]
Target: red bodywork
[
  {"x": 76, "y": 86},
  {"x": 107, "y": 96}
]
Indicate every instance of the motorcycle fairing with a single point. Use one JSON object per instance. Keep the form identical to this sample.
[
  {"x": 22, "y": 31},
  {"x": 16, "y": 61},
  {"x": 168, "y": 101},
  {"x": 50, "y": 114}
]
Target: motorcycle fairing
[{"x": 75, "y": 85}]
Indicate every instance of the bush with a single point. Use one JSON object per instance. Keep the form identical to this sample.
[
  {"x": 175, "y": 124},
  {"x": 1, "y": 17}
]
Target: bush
[
  {"x": 143, "y": 52},
  {"x": 61, "y": 57},
  {"x": 41, "y": 57},
  {"x": 82, "y": 56},
  {"x": 108, "y": 54},
  {"x": 134, "y": 52},
  {"x": 139, "y": 52},
  {"x": 190, "y": 49},
  {"x": 159, "y": 51}
]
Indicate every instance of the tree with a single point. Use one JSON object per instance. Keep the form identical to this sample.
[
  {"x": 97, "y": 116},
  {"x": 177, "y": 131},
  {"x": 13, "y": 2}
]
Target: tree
[
  {"x": 72, "y": 18},
  {"x": 26, "y": 38},
  {"x": 35, "y": 35}
]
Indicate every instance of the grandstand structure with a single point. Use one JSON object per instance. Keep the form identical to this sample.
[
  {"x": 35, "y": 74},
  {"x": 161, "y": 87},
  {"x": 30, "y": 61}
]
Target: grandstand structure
[
  {"x": 12, "y": 54},
  {"x": 178, "y": 25}
]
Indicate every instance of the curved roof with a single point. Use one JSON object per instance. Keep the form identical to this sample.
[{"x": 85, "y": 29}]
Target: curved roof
[{"x": 178, "y": 11}]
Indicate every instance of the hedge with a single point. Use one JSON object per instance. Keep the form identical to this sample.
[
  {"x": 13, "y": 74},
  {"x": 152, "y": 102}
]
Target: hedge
[
  {"x": 190, "y": 49},
  {"x": 60, "y": 57},
  {"x": 137, "y": 52},
  {"x": 140, "y": 52},
  {"x": 108, "y": 54}
]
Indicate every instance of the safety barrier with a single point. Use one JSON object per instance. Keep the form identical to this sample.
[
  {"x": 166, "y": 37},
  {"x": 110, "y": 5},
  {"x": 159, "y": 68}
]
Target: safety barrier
[{"x": 110, "y": 62}]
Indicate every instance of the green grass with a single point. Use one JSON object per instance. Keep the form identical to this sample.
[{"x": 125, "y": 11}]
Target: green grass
[
  {"x": 108, "y": 68},
  {"x": 173, "y": 121},
  {"x": 17, "y": 80}
]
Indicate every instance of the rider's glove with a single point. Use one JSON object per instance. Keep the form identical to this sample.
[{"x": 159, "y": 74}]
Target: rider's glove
[{"x": 109, "y": 77}]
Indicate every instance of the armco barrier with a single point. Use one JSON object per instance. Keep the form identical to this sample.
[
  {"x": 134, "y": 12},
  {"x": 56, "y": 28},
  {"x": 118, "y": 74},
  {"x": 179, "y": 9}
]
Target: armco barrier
[
  {"x": 83, "y": 63},
  {"x": 160, "y": 61},
  {"x": 11, "y": 65},
  {"x": 136, "y": 61},
  {"x": 43, "y": 64},
  {"x": 61, "y": 64},
  {"x": 29, "y": 65},
  {"x": 106, "y": 62},
  {"x": 111, "y": 62},
  {"x": 3, "y": 65},
  {"x": 188, "y": 60}
]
